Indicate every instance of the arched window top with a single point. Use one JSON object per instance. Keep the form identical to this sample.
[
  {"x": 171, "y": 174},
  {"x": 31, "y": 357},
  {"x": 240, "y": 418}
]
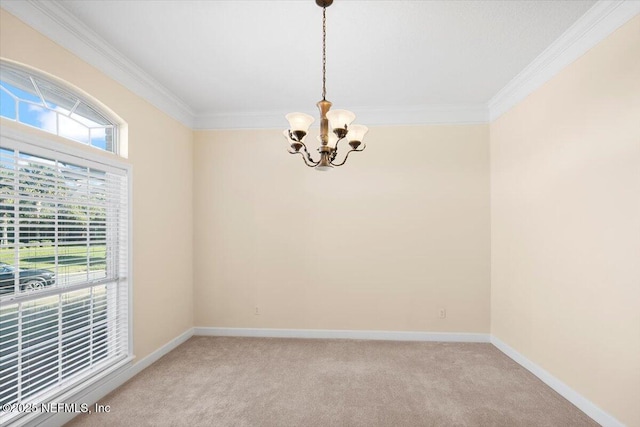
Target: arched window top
[{"x": 32, "y": 99}]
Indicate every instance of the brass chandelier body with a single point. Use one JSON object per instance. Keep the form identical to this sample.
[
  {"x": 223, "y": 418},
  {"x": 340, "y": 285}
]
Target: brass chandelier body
[{"x": 339, "y": 121}]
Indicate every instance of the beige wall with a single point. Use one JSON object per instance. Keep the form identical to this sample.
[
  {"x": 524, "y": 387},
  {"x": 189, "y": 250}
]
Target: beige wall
[
  {"x": 381, "y": 244},
  {"x": 160, "y": 150},
  {"x": 565, "y": 225}
]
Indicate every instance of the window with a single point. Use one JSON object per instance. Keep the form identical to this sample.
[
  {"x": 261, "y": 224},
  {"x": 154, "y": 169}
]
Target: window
[
  {"x": 64, "y": 262},
  {"x": 29, "y": 98}
]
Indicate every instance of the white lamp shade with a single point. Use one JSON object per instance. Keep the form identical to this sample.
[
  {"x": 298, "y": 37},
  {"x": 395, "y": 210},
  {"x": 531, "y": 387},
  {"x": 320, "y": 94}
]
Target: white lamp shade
[
  {"x": 286, "y": 136},
  {"x": 299, "y": 121},
  {"x": 338, "y": 119},
  {"x": 357, "y": 133}
]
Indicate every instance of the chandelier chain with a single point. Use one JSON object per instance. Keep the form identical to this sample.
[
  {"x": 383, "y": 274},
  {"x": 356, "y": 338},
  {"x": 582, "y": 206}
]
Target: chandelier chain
[{"x": 324, "y": 53}]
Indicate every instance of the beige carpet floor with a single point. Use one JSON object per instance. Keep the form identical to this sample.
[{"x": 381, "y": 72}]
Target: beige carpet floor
[{"x": 220, "y": 381}]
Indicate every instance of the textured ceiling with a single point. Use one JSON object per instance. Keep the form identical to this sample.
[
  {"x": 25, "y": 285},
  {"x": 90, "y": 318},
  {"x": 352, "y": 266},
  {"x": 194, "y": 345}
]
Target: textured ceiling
[{"x": 253, "y": 57}]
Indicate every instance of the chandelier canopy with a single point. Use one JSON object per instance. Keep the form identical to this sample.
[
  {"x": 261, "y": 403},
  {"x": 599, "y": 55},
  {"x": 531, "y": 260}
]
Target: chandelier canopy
[{"x": 339, "y": 121}]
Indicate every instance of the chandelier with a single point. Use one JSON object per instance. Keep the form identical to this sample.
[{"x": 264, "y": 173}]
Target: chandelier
[{"x": 339, "y": 121}]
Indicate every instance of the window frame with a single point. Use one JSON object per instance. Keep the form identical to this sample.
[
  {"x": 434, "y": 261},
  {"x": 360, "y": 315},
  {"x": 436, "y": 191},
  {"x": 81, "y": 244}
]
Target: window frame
[
  {"x": 43, "y": 144},
  {"x": 81, "y": 99}
]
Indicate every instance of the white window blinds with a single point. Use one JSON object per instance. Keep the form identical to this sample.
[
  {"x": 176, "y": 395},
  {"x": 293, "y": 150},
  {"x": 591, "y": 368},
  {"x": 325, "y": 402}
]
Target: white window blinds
[{"x": 63, "y": 271}]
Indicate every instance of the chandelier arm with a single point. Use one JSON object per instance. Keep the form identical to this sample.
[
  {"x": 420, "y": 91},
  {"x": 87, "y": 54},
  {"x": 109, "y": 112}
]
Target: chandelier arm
[
  {"x": 335, "y": 151},
  {"x": 304, "y": 147},
  {"x": 311, "y": 165},
  {"x": 347, "y": 156}
]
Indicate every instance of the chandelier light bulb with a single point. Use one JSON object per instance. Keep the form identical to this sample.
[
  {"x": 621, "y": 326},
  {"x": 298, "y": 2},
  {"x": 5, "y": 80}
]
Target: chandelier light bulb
[
  {"x": 299, "y": 124},
  {"x": 340, "y": 119},
  {"x": 356, "y": 135},
  {"x": 333, "y": 140},
  {"x": 295, "y": 145}
]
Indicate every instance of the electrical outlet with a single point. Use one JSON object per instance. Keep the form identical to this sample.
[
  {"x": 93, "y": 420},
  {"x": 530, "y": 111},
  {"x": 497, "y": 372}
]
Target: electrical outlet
[
  {"x": 443, "y": 313},
  {"x": 257, "y": 311}
]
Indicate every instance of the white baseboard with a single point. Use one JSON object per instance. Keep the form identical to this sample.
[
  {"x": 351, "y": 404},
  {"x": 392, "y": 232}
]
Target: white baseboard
[
  {"x": 91, "y": 394},
  {"x": 343, "y": 334},
  {"x": 584, "y": 404}
]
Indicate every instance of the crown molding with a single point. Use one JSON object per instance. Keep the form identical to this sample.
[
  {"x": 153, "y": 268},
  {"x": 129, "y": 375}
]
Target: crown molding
[
  {"x": 392, "y": 116},
  {"x": 55, "y": 22},
  {"x": 595, "y": 25}
]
